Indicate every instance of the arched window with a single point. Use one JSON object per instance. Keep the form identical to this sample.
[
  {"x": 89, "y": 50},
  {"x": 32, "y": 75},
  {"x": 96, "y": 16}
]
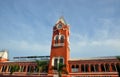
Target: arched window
[
  {"x": 4, "y": 68},
  {"x": 9, "y": 68},
  {"x": 113, "y": 67},
  {"x": 82, "y": 68},
  {"x": 86, "y": 67},
  {"x": 36, "y": 69},
  {"x": 24, "y": 68},
  {"x": 56, "y": 39},
  {"x": 72, "y": 66},
  {"x": 107, "y": 67},
  {"x": 118, "y": 67},
  {"x": 32, "y": 69},
  {"x": 96, "y": 68},
  {"x": 75, "y": 68},
  {"x": 102, "y": 68},
  {"x": 92, "y": 68},
  {"x": 62, "y": 39},
  {"x": 29, "y": 69}
]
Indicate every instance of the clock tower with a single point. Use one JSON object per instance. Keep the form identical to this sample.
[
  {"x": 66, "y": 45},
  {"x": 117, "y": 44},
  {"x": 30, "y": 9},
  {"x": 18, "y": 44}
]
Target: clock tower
[{"x": 60, "y": 51}]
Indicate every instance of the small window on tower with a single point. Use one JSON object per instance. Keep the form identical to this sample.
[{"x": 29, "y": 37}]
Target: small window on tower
[
  {"x": 62, "y": 39},
  {"x": 56, "y": 39}
]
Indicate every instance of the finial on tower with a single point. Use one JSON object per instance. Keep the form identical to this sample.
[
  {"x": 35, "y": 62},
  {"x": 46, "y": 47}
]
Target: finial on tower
[{"x": 62, "y": 20}]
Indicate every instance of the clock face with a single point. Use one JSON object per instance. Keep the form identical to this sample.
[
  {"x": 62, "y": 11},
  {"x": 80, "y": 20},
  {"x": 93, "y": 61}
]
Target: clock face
[{"x": 59, "y": 26}]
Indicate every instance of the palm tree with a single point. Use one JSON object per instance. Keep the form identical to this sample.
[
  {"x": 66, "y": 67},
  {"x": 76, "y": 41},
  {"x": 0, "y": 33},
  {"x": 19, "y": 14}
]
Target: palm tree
[
  {"x": 42, "y": 66},
  {"x": 61, "y": 68},
  {"x": 14, "y": 68}
]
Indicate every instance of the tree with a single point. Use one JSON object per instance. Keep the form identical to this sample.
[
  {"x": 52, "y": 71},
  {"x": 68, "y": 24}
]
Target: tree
[
  {"x": 42, "y": 66},
  {"x": 61, "y": 68},
  {"x": 14, "y": 68},
  {"x": 118, "y": 57}
]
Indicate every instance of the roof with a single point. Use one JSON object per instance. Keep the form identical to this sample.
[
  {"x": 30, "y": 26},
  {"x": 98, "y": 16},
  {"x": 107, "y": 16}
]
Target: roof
[
  {"x": 62, "y": 20},
  {"x": 4, "y": 54},
  {"x": 31, "y": 58},
  {"x": 94, "y": 58}
]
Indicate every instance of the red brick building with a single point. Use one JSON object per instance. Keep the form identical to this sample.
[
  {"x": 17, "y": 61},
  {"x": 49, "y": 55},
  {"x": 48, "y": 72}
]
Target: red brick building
[{"x": 60, "y": 53}]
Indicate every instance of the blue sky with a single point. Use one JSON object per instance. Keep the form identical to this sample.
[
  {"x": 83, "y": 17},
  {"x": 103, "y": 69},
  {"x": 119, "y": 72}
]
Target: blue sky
[{"x": 26, "y": 26}]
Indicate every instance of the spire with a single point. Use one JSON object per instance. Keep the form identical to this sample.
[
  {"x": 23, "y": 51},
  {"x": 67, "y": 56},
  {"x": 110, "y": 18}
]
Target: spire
[{"x": 62, "y": 20}]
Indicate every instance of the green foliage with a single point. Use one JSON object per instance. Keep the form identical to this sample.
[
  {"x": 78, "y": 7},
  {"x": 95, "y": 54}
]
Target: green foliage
[
  {"x": 61, "y": 68},
  {"x": 118, "y": 57},
  {"x": 42, "y": 65},
  {"x": 14, "y": 68}
]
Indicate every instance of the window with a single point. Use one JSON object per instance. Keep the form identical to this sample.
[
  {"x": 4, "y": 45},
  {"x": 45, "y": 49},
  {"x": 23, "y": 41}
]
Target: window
[
  {"x": 113, "y": 67},
  {"x": 36, "y": 69},
  {"x": 118, "y": 67},
  {"x": 92, "y": 68},
  {"x": 56, "y": 39},
  {"x": 82, "y": 68},
  {"x": 23, "y": 68},
  {"x": 4, "y": 68},
  {"x": 62, "y": 39},
  {"x": 75, "y": 68},
  {"x": 86, "y": 68},
  {"x": 56, "y": 61},
  {"x": 29, "y": 69},
  {"x": 107, "y": 67},
  {"x": 9, "y": 68},
  {"x": 96, "y": 68},
  {"x": 102, "y": 68}
]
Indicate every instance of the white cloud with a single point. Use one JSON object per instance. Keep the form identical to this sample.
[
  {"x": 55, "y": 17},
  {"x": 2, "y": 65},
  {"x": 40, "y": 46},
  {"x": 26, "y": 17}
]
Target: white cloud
[
  {"x": 26, "y": 46},
  {"x": 104, "y": 41},
  {"x": 94, "y": 48}
]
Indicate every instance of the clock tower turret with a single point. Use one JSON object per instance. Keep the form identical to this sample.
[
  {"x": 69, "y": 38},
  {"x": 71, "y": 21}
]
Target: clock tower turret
[{"x": 60, "y": 45}]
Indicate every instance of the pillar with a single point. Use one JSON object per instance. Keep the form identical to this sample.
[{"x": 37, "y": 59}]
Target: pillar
[
  {"x": 99, "y": 67},
  {"x": 89, "y": 70}
]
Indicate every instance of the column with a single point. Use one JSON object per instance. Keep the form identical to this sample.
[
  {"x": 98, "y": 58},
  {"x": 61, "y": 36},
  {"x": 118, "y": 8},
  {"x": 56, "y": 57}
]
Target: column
[
  {"x": 1, "y": 68},
  {"x": 99, "y": 67},
  {"x": 26, "y": 68},
  {"x": 104, "y": 67},
  {"x": 20, "y": 68},
  {"x": 79, "y": 68},
  {"x": 110, "y": 68},
  {"x": 89, "y": 70},
  {"x": 115, "y": 67},
  {"x": 7, "y": 68},
  {"x": 94, "y": 68}
]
